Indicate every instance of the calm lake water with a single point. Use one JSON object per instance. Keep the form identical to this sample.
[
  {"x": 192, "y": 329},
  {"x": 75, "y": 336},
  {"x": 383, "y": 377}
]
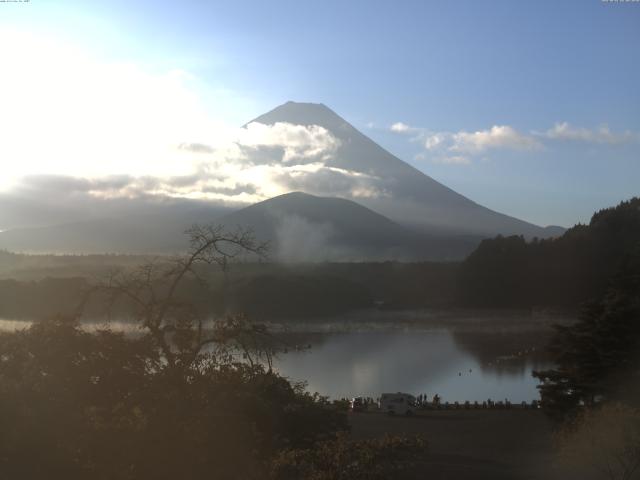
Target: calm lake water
[{"x": 457, "y": 364}]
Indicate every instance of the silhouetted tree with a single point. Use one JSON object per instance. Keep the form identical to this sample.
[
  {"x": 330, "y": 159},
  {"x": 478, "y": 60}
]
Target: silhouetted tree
[
  {"x": 598, "y": 358},
  {"x": 174, "y": 323}
]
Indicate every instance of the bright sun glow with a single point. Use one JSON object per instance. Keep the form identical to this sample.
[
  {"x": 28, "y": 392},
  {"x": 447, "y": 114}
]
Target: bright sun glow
[{"x": 66, "y": 113}]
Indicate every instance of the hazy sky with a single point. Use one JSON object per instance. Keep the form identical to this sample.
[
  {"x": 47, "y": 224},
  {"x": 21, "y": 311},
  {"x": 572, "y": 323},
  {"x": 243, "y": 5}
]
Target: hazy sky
[{"x": 531, "y": 108}]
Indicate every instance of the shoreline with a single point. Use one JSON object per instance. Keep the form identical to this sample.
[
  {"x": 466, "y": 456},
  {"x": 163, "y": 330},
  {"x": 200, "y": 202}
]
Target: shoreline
[{"x": 462, "y": 320}]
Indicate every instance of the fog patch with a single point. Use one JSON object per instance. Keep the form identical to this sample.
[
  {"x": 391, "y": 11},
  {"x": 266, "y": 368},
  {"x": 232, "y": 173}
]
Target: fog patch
[{"x": 299, "y": 240}]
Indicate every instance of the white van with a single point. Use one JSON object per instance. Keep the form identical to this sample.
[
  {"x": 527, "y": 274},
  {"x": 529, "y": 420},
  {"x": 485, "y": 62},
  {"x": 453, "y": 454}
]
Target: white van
[{"x": 397, "y": 403}]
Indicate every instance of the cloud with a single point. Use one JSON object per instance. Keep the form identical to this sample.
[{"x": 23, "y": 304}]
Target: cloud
[
  {"x": 55, "y": 186},
  {"x": 283, "y": 157},
  {"x": 498, "y": 136},
  {"x": 404, "y": 129},
  {"x": 196, "y": 147},
  {"x": 256, "y": 163},
  {"x": 602, "y": 135},
  {"x": 253, "y": 165},
  {"x": 461, "y": 147},
  {"x": 45, "y": 200},
  {"x": 325, "y": 180},
  {"x": 457, "y": 147},
  {"x": 435, "y": 140},
  {"x": 298, "y": 142},
  {"x": 400, "y": 127}
]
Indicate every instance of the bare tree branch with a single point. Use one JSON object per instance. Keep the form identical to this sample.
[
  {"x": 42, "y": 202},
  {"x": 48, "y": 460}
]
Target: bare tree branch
[{"x": 152, "y": 291}]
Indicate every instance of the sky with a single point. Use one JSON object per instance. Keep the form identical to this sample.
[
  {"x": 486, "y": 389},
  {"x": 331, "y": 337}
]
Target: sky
[{"x": 529, "y": 108}]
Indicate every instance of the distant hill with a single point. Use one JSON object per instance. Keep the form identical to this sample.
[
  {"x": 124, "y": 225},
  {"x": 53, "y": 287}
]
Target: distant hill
[
  {"x": 413, "y": 198},
  {"x": 160, "y": 232},
  {"x": 302, "y": 227}
]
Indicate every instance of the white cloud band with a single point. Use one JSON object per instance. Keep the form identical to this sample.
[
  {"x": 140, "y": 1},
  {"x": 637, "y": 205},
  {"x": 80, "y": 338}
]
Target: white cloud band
[{"x": 457, "y": 147}]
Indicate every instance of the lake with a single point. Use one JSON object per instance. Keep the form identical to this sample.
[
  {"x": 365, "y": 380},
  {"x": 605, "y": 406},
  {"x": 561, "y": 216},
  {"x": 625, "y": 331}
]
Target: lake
[
  {"x": 489, "y": 360},
  {"x": 457, "y": 366}
]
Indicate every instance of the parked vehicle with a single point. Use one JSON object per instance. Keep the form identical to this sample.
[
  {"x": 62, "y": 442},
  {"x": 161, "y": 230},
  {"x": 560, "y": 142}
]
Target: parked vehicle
[
  {"x": 397, "y": 403},
  {"x": 357, "y": 404}
]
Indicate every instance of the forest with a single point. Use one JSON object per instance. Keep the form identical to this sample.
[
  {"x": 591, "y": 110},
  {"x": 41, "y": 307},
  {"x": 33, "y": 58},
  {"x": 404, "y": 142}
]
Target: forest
[{"x": 503, "y": 272}]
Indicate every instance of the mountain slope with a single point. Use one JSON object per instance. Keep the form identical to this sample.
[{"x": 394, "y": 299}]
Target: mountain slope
[
  {"x": 413, "y": 197},
  {"x": 303, "y": 227}
]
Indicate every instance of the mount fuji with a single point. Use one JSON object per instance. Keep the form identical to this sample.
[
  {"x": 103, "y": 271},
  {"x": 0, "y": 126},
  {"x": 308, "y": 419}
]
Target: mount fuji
[{"x": 408, "y": 196}]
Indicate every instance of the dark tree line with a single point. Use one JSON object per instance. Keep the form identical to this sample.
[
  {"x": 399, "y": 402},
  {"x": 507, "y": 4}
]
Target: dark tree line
[
  {"x": 564, "y": 272},
  {"x": 269, "y": 292}
]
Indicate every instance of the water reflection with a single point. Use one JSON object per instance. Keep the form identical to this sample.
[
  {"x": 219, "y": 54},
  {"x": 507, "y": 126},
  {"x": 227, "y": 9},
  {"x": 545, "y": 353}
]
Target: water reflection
[
  {"x": 458, "y": 367},
  {"x": 506, "y": 353}
]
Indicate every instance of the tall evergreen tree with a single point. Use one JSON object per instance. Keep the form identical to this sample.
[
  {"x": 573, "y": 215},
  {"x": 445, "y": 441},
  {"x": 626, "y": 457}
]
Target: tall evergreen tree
[{"x": 598, "y": 358}]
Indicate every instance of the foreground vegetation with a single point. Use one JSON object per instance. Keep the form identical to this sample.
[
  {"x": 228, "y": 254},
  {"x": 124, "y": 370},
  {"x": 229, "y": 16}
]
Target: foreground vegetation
[
  {"x": 184, "y": 399},
  {"x": 75, "y": 405}
]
